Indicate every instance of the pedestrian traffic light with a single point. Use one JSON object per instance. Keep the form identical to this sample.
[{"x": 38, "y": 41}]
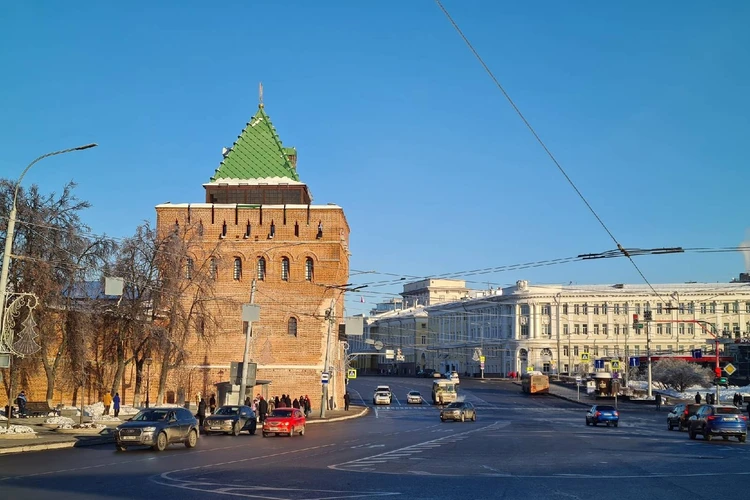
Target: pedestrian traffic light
[
  {"x": 717, "y": 371},
  {"x": 635, "y": 321}
]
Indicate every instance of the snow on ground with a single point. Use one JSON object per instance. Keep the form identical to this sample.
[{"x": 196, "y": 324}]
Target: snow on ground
[
  {"x": 105, "y": 418},
  {"x": 94, "y": 410},
  {"x": 725, "y": 393},
  {"x": 17, "y": 429},
  {"x": 83, "y": 426},
  {"x": 2, "y": 418},
  {"x": 59, "y": 420},
  {"x": 128, "y": 410}
]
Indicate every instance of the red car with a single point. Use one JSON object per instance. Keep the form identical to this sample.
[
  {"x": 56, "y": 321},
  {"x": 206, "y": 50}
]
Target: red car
[{"x": 284, "y": 421}]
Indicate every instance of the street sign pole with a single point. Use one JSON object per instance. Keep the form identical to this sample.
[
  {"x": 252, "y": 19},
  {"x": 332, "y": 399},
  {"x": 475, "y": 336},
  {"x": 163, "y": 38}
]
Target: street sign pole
[{"x": 246, "y": 356}]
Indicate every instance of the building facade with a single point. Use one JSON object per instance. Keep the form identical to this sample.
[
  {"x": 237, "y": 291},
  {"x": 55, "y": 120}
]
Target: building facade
[
  {"x": 553, "y": 328},
  {"x": 260, "y": 239}
]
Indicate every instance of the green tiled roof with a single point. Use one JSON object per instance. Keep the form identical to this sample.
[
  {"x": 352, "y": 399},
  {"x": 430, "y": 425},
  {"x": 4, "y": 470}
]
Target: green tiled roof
[{"x": 257, "y": 153}]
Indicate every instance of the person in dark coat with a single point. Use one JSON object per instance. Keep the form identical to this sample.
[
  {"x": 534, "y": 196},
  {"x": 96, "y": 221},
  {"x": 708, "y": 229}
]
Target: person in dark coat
[
  {"x": 212, "y": 404},
  {"x": 698, "y": 397},
  {"x": 276, "y": 401},
  {"x": 295, "y": 403},
  {"x": 288, "y": 401},
  {"x": 346, "y": 401},
  {"x": 116, "y": 404},
  {"x": 201, "y": 412},
  {"x": 262, "y": 409}
]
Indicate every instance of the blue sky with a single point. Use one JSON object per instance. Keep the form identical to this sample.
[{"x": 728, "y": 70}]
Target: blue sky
[{"x": 644, "y": 103}]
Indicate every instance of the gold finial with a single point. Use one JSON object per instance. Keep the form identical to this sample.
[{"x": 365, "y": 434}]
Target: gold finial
[{"x": 260, "y": 95}]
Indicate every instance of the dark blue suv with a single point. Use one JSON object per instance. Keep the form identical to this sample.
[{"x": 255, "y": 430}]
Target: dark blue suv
[
  {"x": 717, "y": 420},
  {"x": 603, "y": 414}
]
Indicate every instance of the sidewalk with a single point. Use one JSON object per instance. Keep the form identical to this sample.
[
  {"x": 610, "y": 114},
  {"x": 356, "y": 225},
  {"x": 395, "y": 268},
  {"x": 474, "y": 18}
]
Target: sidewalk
[
  {"x": 569, "y": 392},
  {"x": 49, "y": 439}
]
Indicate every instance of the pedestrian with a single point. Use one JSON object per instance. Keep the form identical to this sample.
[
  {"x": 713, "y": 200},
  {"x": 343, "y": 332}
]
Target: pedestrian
[
  {"x": 308, "y": 406},
  {"x": 212, "y": 403},
  {"x": 276, "y": 402},
  {"x": 288, "y": 401},
  {"x": 658, "y": 402},
  {"x": 116, "y": 402},
  {"x": 21, "y": 402},
  {"x": 201, "y": 412},
  {"x": 698, "y": 398},
  {"x": 295, "y": 403},
  {"x": 107, "y": 400},
  {"x": 346, "y": 401},
  {"x": 262, "y": 409},
  {"x": 247, "y": 401}
]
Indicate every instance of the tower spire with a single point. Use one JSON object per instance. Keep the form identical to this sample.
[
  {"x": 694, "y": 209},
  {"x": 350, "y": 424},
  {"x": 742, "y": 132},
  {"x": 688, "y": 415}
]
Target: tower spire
[{"x": 260, "y": 95}]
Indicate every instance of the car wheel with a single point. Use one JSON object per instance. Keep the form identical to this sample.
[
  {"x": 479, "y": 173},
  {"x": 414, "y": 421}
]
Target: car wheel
[
  {"x": 707, "y": 435},
  {"x": 474, "y": 417},
  {"x": 463, "y": 418},
  {"x": 121, "y": 448},
  {"x": 302, "y": 431},
  {"x": 725, "y": 438},
  {"x": 587, "y": 422},
  {"x": 161, "y": 442},
  {"x": 691, "y": 433},
  {"x": 291, "y": 432},
  {"x": 265, "y": 434},
  {"x": 192, "y": 439},
  {"x": 615, "y": 423},
  {"x": 253, "y": 428},
  {"x": 742, "y": 438},
  {"x": 669, "y": 426},
  {"x": 236, "y": 429}
]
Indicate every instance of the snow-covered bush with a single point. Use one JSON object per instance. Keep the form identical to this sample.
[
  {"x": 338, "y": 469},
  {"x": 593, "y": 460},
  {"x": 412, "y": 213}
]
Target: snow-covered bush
[
  {"x": 59, "y": 420},
  {"x": 17, "y": 429}
]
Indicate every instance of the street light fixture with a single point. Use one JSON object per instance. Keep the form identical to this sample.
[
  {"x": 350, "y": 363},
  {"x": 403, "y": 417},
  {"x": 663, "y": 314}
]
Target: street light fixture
[
  {"x": 9, "y": 238},
  {"x": 148, "y": 362}
]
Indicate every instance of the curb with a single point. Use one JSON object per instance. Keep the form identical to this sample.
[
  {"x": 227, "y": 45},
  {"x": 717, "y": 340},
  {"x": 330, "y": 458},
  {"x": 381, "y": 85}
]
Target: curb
[
  {"x": 339, "y": 419},
  {"x": 37, "y": 447}
]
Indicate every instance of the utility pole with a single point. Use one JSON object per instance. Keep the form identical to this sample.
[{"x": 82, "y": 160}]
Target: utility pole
[
  {"x": 648, "y": 353},
  {"x": 245, "y": 358},
  {"x": 559, "y": 358},
  {"x": 324, "y": 391}
]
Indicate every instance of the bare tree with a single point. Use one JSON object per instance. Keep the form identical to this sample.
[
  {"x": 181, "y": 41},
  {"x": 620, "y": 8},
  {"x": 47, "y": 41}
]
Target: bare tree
[{"x": 679, "y": 375}]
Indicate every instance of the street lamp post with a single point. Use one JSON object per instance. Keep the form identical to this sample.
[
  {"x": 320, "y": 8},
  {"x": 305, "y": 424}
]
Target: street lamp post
[
  {"x": 148, "y": 362},
  {"x": 9, "y": 238}
]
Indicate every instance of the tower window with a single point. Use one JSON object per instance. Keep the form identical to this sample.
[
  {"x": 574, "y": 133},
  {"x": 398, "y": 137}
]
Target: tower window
[
  {"x": 189, "y": 265},
  {"x": 224, "y": 230},
  {"x": 291, "y": 327},
  {"x": 200, "y": 228},
  {"x": 296, "y": 228},
  {"x": 285, "y": 269},
  {"x": 309, "y": 269},
  {"x": 261, "y": 268},
  {"x": 237, "y": 269},
  {"x": 320, "y": 230},
  {"x": 212, "y": 268},
  {"x": 247, "y": 230},
  {"x": 272, "y": 232}
]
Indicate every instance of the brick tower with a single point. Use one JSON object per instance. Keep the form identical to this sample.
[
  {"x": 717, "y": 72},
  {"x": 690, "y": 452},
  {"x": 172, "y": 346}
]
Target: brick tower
[{"x": 258, "y": 224}]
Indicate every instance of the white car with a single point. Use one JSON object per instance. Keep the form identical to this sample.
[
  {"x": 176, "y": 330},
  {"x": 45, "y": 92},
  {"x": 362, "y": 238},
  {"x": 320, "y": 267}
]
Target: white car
[
  {"x": 452, "y": 376},
  {"x": 382, "y": 398},
  {"x": 414, "y": 397}
]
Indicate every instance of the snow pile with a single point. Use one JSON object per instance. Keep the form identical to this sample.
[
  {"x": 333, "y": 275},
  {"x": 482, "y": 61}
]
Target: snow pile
[
  {"x": 59, "y": 420},
  {"x": 71, "y": 408},
  {"x": 128, "y": 410},
  {"x": 2, "y": 418},
  {"x": 105, "y": 418},
  {"x": 17, "y": 429},
  {"x": 94, "y": 410},
  {"x": 83, "y": 426}
]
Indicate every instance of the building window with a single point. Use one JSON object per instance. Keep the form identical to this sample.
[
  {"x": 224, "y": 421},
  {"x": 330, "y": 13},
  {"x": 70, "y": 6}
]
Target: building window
[
  {"x": 712, "y": 308},
  {"x": 726, "y": 307},
  {"x": 735, "y": 307},
  {"x": 320, "y": 230},
  {"x": 659, "y": 308},
  {"x": 576, "y": 328},
  {"x": 566, "y": 330},
  {"x": 682, "y": 308},
  {"x": 424, "y": 339},
  {"x": 747, "y": 307},
  {"x": 575, "y": 350},
  {"x": 691, "y": 307},
  {"x": 585, "y": 329},
  {"x": 566, "y": 352},
  {"x": 585, "y": 308},
  {"x": 659, "y": 329},
  {"x": 638, "y": 309},
  {"x": 291, "y": 327},
  {"x": 596, "y": 329},
  {"x": 617, "y": 329},
  {"x": 605, "y": 308},
  {"x": 212, "y": 269},
  {"x": 272, "y": 231},
  {"x": 668, "y": 329},
  {"x": 703, "y": 308},
  {"x": 309, "y": 269},
  {"x": 547, "y": 330},
  {"x": 224, "y": 230},
  {"x": 625, "y": 308},
  {"x": 691, "y": 329},
  {"x": 189, "y": 266},
  {"x": 565, "y": 308},
  {"x": 237, "y": 274},
  {"x": 576, "y": 309},
  {"x": 525, "y": 331},
  {"x": 248, "y": 229},
  {"x": 636, "y": 350},
  {"x": 546, "y": 309},
  {"x": 605, "y": 350},
  {"x": 681, "y": 329},
  {"x": 261, "y": 268},
  {"x": 285, "y": 269},
  {"x": 617, "y": 308},
  {"x": 296, "y": 228},
  {"x": 605, "y": 329},
  {"x": 596, "y": 309},
  {"x": 736, "y": 330}
]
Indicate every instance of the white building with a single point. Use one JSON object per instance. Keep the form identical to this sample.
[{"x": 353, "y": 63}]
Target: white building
[{"x": 552, "y": 327}]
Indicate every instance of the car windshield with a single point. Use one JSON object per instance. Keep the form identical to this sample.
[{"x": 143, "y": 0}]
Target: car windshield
[
  {"x": 151, "y": 415},
  {"x": 414, "y": 393},
  {"x": 455, "y": 405},
  {"x": 724, "y": 410},
  {"x": 228, "y": 410},
  {"x": 281, "y": 413}
]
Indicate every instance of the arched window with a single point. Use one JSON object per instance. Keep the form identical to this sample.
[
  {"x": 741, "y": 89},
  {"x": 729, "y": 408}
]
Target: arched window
[
  {"x": 291, "y": 327},
  {"x": 248, "y": 229},
  {"x": 309, "y": 269},
  {"x": 224, "y": 230},
  {"x": 261, "y": 268},
  {"x": 189, "y": 265},
  {"x": 237, "y": 268},
  {"x": 285, "y": 269},
  {"x": 200, "y": 228},
  {"x": 212, "y": 268}
]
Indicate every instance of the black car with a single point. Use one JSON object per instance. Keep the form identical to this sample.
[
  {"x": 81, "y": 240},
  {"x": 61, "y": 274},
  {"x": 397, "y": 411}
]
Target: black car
[
  {"x": 231, "y": 419},
  {"x": 158, "y": 428},
  {"x": 680, "y": 415}
]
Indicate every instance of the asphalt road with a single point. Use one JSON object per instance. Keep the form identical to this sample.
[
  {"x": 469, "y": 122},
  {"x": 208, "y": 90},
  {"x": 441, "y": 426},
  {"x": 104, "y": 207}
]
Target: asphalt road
[{"x": 521, "y": 447}]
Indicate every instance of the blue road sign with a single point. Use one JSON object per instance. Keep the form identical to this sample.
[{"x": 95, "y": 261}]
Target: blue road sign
[
  {"x": 598, "y": 363},
  {"x": 697, "y": 353},
  {"x": 634, "y": 362}
]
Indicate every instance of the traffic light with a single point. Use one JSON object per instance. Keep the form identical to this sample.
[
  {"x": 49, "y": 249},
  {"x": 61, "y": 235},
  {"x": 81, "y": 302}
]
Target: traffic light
[
  {"x": 647, "y": 316},
  {"x": 717, "y": 371},
  {"x": 635, "y": 321}
]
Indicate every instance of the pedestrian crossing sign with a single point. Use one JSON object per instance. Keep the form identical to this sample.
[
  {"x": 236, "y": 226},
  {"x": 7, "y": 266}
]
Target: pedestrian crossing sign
[
  {"x": 351, "y": 373},
  {"x": 615, "y": 365},
  {"x": 585, "y": 357}
]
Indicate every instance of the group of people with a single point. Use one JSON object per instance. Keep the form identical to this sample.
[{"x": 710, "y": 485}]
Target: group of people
[
  {"x": 737, "y": 400},
  {"x": 710, "y": 398},
  {"x": 113, "y": 402}
]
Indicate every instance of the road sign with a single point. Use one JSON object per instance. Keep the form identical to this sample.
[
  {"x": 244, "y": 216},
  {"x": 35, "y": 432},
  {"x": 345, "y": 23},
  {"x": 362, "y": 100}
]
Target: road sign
[
  {"x": 697, "y": 353},
  {"x": 578, "y": 379},
  {"x": 389, "y": 354},
  {"x": 351, "y": 373},
  {"x": 4, "y": 360},
  {"x": 324, "y": 378},
  {"x": 530, "y": 368},
  {"x": 730, "y": 369},
  {"x": 598, "y": 363},
  {"x": 400, "y": 357},
  {"x": 634, "y": 362},
  {"x": 616, "y": 375},
  {"x": 615, "y": 365},
  {"x": 585, "y": 357},
  {"x": 481, "y": 365}
]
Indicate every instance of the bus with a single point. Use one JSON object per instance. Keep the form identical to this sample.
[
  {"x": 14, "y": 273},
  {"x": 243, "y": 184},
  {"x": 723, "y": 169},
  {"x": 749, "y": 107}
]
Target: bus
[
  {"x": 535, "y": 383},
  {"x": 443, "y": 391}
]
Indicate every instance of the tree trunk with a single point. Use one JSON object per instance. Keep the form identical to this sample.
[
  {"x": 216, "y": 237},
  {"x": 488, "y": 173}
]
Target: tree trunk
[
  {"x": 120, "y": 371},
  {"x": 163, "y": 373},
  {"x": 138, "y": 382}
]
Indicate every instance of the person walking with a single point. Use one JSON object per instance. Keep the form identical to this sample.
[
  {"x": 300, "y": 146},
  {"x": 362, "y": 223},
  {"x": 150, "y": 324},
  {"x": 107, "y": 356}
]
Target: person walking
[
  {"x": 698, "y": 398},
  {"x": 107, "y": 400},
  {"x": 212, "y": 403},
  {"x": 201, "y": 412},
  {"x": 658, "y": 402},
  {"x": 346, "y": 401},
  {"x": 116, "y": 403},
  {"x": 308, "y": 407},
  {"x": 262, "y": 409},
  {"x": 21, "y": 402}
]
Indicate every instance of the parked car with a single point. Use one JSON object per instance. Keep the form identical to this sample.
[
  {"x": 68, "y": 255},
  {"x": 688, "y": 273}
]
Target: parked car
[
  {"x": 718, "y": 420},
  {"x": 426, "y": 373},
  {"x": 158, "y": 428},
  {"x": 459, "y": 410},
  {"x": 680, "y": 415},
  {"x": 231, "y": 419},
  {"x": 414, "y": 397},
  {"x": 603, "y": 414},
  {"x": 287, "y": 421}
]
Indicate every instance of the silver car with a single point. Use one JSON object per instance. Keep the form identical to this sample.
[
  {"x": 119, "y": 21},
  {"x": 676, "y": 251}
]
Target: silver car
[
  {"x": 459, "y": 411},
  {"x": 414, "y": 397}
]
